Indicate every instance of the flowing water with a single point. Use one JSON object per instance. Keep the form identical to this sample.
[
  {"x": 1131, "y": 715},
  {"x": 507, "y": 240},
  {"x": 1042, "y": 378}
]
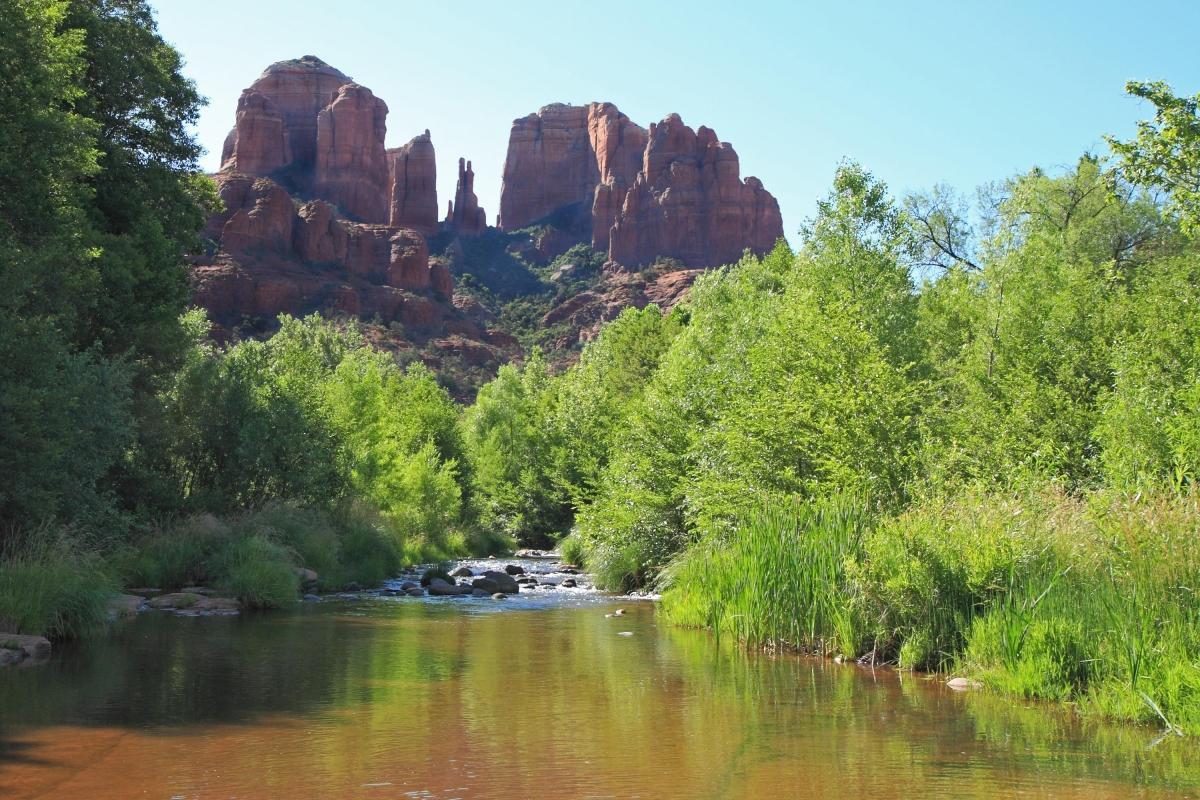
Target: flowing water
[{"x": 542, "y": 695}]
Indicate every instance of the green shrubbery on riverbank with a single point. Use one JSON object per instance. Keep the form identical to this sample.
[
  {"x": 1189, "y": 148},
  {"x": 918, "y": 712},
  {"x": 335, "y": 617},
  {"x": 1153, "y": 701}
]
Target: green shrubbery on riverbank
[{"x": 1089, "y": 600}]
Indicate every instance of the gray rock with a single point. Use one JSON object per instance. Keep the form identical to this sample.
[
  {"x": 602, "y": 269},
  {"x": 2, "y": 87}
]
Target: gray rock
[
  {"x": 479, "y": 593},
  {"x": 568, "y": 583},
  {"x": 175, "y": 601},
  {"x": 312, "y": 598},
  {"x": 417, "y": 592},
  {"x": 963, "y": 684},
  {"x": 124, "y": 605},
  {"x": 499, "y": 596},
  {"x": 439, "y": 588},
  {"x": 462, "y": 572},
  {"x": 200, "y": 590},
  {"x": 407, "y": 585},
  {"x": 306, "y": 576},
  {"x": 10, "y": 655},
  {"x": 514, "y": 569},
  {"x": 36, "y": 648},
  {"x": 494, "y": 581}
]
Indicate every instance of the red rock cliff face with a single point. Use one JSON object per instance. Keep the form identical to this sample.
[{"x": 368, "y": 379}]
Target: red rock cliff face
[
  {"x": 351, "y": 168},
  {"x": 412, "y": 172},
  {"x": 550, "y": 166},
  {"x": 666, "y": 192},
  {"x": 282, "y": 135},
  {"x": 690, "y": 203}
]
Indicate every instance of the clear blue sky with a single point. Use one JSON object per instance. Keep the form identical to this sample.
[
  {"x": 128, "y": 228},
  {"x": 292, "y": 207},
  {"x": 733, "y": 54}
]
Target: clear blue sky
[{"x": 919, "y": 92}]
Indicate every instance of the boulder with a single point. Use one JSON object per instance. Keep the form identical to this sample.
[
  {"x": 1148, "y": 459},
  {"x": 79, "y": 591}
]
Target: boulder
[
  {"x": 417, "y": 592},
  {"x": 125, "y": 605},
  {"x": 10, "y": 655},
  {"x": 35, "y": 648},
  {"x": 439, "y": 588},
  {"x": 568, "y": 583},
  {"x": 514, "y": 569},
  {"x": 963, "y": 684},
  {"x": 174, "y": 601},
  {"x": 215, "y": 605},
  {"x": 306, "y": 576},
  {"x": 499, "y": 596},
  {"x": 494, "y": 581},
  {"x": 203, "y": 591},
  {"x": 462, "y": 572}
]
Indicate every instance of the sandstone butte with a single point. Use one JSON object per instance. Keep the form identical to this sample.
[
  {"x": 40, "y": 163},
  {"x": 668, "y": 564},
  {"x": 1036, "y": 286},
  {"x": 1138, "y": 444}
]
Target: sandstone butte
[
  {"x": 636, "y": 194},
  {"x": 320, "y": 216}
]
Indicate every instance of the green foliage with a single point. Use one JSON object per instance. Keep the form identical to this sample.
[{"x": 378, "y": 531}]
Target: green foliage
[
  {"x": 257, "y": 571},
  {"x": 1166, "y": 152},
  {"x": 51, "y": 585},
  {"x": 510, "y": 440},
  {"x": 777, "y": 580}
]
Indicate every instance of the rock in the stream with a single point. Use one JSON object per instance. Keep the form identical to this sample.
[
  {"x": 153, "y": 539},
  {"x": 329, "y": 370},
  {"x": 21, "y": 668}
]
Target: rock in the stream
[
  {"x": 963, "y": 684},
  {"x": 216, "y": 605},
  {"x": 417, "y": 592},
  {"x": 312, "y": 598},
  {"x": 499, "y": 596},
  {"x": 175, "y": 601},
  {"x": 306, "y": 576},
  {"x": 201, "y": 590},
  {"x": 527, "y": 580},
  {"x": 568, "y": 583},
  {"x": 407, "y": 585},
  {"x": 568, "y": 569},
  {"x": 514, "y": 569},
  {"x": 440, "y": 588},
  {"x": 496, "y": 581},
  {"x": 146, "y": 591},
  {"x": 479, "y": 593},
  {"x": 10, "y": 655},
  {"x": 529, "y": 554},
  {"x": 34, "y": 648},
  {"x": 462, "y": 572},
  {"x": 124, "y": 605}
]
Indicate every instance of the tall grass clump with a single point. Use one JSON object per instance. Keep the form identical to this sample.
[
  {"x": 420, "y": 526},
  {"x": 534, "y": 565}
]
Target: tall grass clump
[
  {"x": 572, "y": 549},
  {"x": 777, "y": 580},
  {"x": 53, "y": 586}
]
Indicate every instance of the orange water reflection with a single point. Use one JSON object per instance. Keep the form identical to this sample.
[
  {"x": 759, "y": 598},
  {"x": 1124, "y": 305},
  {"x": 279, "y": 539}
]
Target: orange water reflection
[{"x": 430, "y": 700}]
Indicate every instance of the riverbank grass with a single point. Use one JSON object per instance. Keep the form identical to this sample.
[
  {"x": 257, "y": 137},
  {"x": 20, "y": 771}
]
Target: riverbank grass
[{"x": 1086, "y": 600}]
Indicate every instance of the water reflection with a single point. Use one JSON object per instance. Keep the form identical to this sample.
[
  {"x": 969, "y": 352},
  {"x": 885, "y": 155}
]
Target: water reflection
[{"x": 427, "y": 699}]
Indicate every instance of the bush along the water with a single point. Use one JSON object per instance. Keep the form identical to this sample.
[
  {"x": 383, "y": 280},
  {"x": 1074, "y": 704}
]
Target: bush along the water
[
  {"x": 52, "y": 585},
  {"x": 1036, "y": 594}
]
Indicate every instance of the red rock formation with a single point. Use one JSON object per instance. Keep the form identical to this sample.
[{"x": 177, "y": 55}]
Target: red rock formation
[
  {"x": 690, "y": 203},
  {"x": 321, "y": 238},
  {"x": 351, "y": 167},
  {"x": 412, "y": 174},
  {"x": 296, "y": 91},
  {"x": 260, "y": 216},
  {"x": 668, "y": 192},
  {"x": 408, "y": 261},
  {"x": 464, "y": 214},
  {"x": 619, "y": 146},
  {"x": 550, "y": 166}
]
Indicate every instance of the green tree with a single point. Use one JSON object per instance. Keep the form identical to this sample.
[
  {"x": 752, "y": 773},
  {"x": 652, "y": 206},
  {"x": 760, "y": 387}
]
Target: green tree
[{"x": 1166, "y": 151}]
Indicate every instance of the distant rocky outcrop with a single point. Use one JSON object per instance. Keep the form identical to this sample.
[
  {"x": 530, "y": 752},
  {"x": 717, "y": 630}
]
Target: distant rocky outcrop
[
  {"x": 638, "y": 195},
  {"x": 412, "y": 172},
  {"x": 319, "y": 216},
  {"x": 464, "y": 214}
]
